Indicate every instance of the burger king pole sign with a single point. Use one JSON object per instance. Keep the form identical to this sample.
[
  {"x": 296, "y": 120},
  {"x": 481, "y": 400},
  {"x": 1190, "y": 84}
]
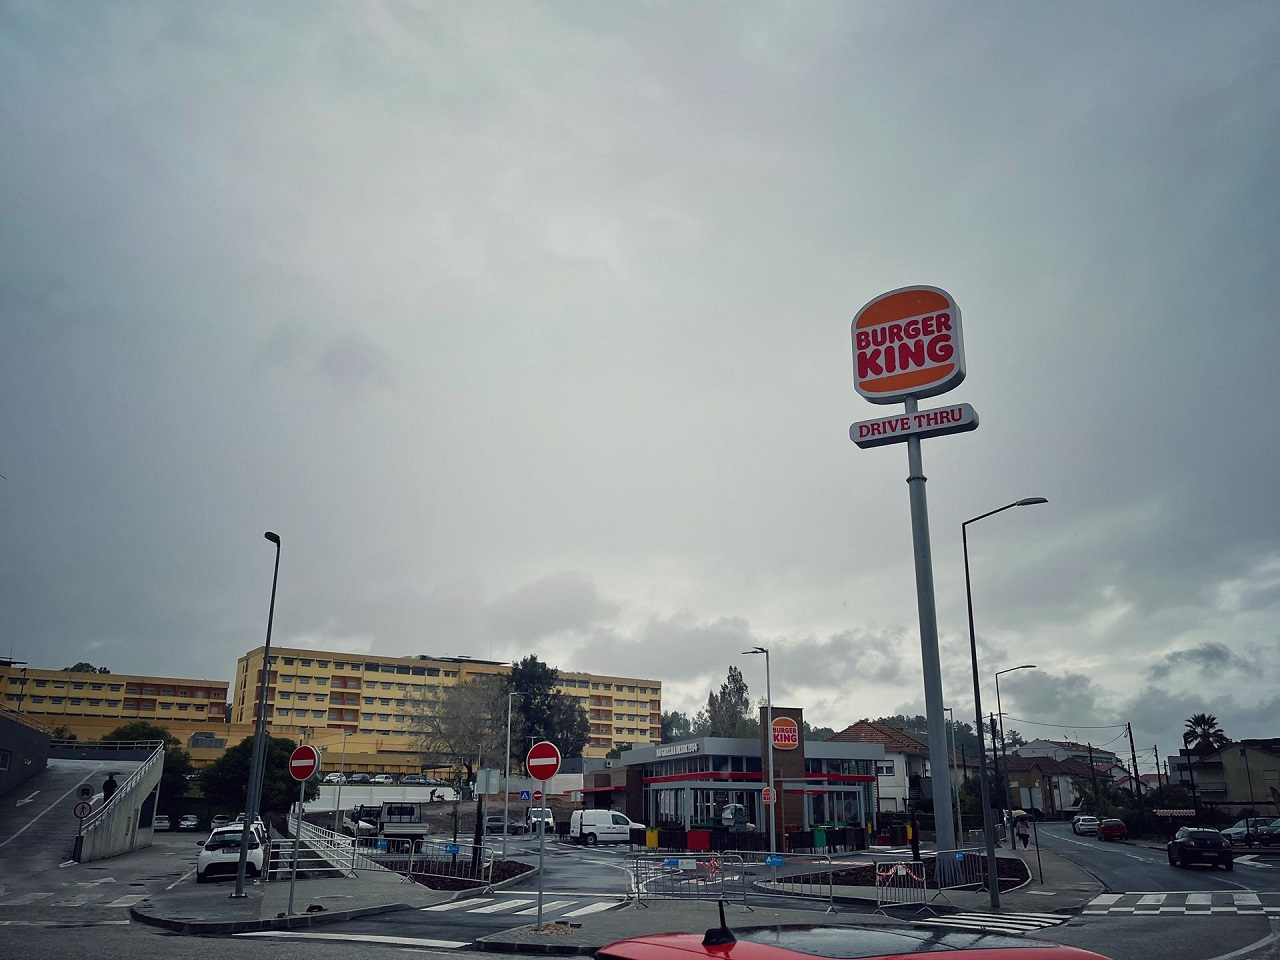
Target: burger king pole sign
[{"x": 907, "y": 345}]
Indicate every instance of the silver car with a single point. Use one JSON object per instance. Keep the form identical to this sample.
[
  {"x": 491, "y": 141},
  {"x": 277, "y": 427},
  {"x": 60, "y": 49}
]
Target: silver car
[{"x": 1084, "y": 826}]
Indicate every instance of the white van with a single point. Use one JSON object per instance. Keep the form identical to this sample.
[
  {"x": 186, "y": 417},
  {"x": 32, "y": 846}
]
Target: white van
[
  {"x": 540, "y": 817},
  {"x": 601, "y": 826}
]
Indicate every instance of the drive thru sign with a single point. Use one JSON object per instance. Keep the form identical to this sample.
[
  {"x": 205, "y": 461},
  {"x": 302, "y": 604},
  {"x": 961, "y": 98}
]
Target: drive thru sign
[
  {"x": 543, "y": 761},
  {"x": 303, "y": 762}
]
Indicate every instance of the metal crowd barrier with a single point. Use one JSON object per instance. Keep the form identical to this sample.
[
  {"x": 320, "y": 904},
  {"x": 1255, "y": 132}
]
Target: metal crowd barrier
[
  {"x": 959, "y": 869},
  {"x": 901, "y": 883},
  {"x": 690, "y": 876},
  {"x": 789, "y": 875},
  {"x": 321, "y": 852}
]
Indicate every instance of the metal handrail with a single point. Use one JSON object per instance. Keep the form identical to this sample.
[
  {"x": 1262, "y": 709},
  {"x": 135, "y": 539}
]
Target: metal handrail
[{"x": 124, "y": 789}]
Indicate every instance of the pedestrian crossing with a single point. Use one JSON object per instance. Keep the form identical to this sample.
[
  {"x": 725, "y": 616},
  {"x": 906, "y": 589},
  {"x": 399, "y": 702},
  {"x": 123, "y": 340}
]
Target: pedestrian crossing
[
  {"x": 95, "y": 898},
  {"x": 524, "y": 905},
  {"x": 1184, "y": 903},
  {"x": 995, "y": 922}
]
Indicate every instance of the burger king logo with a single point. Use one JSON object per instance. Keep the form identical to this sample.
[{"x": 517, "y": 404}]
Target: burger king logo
[
  {"x": 907, "y": 342},
  {"x": 786, "y": 735}
]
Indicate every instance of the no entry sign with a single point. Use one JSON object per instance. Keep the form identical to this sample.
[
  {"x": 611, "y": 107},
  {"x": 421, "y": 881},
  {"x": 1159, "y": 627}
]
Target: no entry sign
[
  {"x": 543, "y": 761},
  {"x": 303, "y": 762}
]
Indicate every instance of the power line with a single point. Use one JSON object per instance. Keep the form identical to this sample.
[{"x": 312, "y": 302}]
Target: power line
[{"x": 1064, "y": 726}]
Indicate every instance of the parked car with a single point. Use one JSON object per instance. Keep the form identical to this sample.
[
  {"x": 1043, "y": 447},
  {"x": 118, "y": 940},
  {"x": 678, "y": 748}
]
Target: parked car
[
  {"x": 1269, "y": 833},
  {"x": 1246, "y": 831},
  {"x": 1200, "y": 845},
  {"x": 540, "y": 817},
  {"x": 1085, "y": 826},
  {"x": 384, "y": 778},
  {"x": 360, "y": 778},
  {"x": 161, "y": 822},
  {"x": 188, "y": 821},
  {"x": 864, "y": 942},
  {"x": 1112, "y": 829},
  {"x": 334, "y": 777},
  {"x": 221, "y": 820},
  {"x": 495, "y": 825},
  {"x": 413, "y": 779},
  {"x": 221, "y": 854},
  {"x": 601, "y": 826}
]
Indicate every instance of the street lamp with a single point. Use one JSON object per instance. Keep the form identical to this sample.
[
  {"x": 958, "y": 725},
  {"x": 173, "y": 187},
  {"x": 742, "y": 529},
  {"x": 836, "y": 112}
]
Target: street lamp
[
  {"x": 768, "y": 742},
  {"x": 506, "y": 779},
  {"x": 259, "y": 735},
  {"x": 951, "y": 776},
  {"x": 342, "y": 775},
  {"x": 984, "y": 782},
  {"x": 1004, "y": 750}
]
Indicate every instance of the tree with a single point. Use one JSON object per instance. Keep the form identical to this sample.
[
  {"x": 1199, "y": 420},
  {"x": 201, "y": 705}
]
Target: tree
[
  {"x": 226, "y": 781},
  {"x": 465, "y": 725},
  {"x": 676, "y": 726},
  {"x": 1204, "y": 734},
  {"x": 728, "y": 713},
  {"x": 616, "y": 752},
  {"x": 817, "y": 733},
  {"x": 62, "y": 732},
  {"x": 85, "y": 667},
  {"x": 547, "y": 713},
  {"x": 177, "y": 762}
]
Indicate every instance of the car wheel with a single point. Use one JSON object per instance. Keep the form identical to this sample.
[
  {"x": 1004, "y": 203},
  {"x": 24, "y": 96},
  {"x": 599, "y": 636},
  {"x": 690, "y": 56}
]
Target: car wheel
[
  {"x": 591, "y": 839},
  {"x": 1230, "y": 865},
  {"x": 1173, "y": 861},
  {"x": 201, "y": 878}
]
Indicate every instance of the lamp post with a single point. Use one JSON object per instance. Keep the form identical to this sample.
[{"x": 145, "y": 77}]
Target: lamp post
[
  {"x": 951, "y": 775},
  {"x": 984, "y": 782},
  {"x": 1244, "y": 752},
  {"x": 260, "y": 734},
  {"x": 342, "y": 775},
  {"x": 506, "y": 777},
  {"x": 1004, "y": 750},
  {"x": 768, "y": 743}
]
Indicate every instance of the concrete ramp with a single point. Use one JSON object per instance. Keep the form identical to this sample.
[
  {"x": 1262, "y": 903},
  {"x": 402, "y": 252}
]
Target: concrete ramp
[{"x": 124, "y": 822}]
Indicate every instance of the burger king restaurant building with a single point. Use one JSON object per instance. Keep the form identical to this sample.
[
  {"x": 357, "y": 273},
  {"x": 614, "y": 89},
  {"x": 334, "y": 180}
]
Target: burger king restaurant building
[{"x": 692, "y": 782}]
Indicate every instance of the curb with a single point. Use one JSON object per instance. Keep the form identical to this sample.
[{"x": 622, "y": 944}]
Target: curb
[
  {"x": 196, "y": 927},
  {"x": 191, "y": 927}
]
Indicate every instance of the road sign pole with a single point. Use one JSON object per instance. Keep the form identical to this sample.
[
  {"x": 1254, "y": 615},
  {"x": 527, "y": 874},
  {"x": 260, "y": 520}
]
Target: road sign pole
[
  {"x": 542, "y": 839},
  {"x": 297, "y": 834}
]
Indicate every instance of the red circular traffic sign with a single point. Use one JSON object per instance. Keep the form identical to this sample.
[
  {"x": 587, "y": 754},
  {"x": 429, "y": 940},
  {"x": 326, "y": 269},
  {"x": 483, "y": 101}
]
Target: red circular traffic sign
[
  {"x": 303, "y": 762},
  {"x": 543, "y": 761},
  {"x": 537, "y": 796},
  {"x": 83, "y": 809}
]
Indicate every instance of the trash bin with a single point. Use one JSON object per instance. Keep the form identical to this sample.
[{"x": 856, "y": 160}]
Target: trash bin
[
  {"x": 897, "y": 834},
  {"x": 651, "y": 838},
  {"x": 819, "y": 838}
]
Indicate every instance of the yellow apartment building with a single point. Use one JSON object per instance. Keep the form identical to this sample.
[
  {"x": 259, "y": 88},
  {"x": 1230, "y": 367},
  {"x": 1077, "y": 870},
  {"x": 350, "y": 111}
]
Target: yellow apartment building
[
  {"x": 63, "y": 698},
  {"x": 311, "y": 692}
]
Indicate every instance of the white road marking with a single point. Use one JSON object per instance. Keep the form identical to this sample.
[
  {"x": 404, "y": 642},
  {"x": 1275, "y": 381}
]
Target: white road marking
[
  {"x": 591, "y": 908},
  {"x": 25, "y": 899},
  {"x": 553, "y": 905},
  {"x": 26, "y": 800},
  {"x": 357, "y": 938},
  {"x": 1199, "y": 899},
  {"x": 499, "y": 907},
  {"x": 1151, "y": 899},
  {"x": 128, "y": 901},
  {"x": 458, "y": 904},
  {"x": 1246, "y": 900}
]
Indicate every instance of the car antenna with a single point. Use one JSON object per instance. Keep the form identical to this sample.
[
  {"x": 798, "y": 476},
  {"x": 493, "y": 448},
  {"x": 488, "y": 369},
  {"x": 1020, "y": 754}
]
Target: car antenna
[{"x": 719, "y": 936}]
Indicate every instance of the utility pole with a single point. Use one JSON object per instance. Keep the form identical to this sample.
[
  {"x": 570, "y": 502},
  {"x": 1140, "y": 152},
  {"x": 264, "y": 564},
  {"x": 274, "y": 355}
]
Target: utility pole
[
  {"x": 1155, "y": 749},
  {"x": 1093, "y": 775},
  {"x": 1137, "y": 778}
]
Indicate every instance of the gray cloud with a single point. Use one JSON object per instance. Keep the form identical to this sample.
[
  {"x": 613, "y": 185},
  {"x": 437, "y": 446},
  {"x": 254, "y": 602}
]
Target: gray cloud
[{"x": 457, "y": 306}]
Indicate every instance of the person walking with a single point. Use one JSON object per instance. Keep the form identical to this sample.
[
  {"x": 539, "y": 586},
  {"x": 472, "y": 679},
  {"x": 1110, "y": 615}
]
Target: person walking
[
  {"x": 109, "y": 787},
  {"x": 1024, "y": 831}
]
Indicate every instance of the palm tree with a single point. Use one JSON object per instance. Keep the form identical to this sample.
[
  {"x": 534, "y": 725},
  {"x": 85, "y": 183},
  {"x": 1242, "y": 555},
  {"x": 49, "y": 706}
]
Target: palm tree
[{"x": 1204, "y": 734}]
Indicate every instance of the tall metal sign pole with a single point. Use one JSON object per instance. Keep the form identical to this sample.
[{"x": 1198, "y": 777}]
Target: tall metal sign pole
[
  {"x": 543, "y": 763},
  {"x": 907, "y": 346}
]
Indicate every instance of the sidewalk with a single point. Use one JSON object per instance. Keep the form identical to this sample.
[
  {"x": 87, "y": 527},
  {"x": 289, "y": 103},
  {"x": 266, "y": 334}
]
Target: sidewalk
[{"x": 196, "y": 909}]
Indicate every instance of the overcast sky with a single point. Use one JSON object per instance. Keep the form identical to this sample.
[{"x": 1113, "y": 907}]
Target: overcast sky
[{"x": 527, "y": 327}]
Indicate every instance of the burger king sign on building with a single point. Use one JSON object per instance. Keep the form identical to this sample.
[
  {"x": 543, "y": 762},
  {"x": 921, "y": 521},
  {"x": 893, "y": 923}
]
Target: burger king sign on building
[{"x": 786, "y": 735}]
